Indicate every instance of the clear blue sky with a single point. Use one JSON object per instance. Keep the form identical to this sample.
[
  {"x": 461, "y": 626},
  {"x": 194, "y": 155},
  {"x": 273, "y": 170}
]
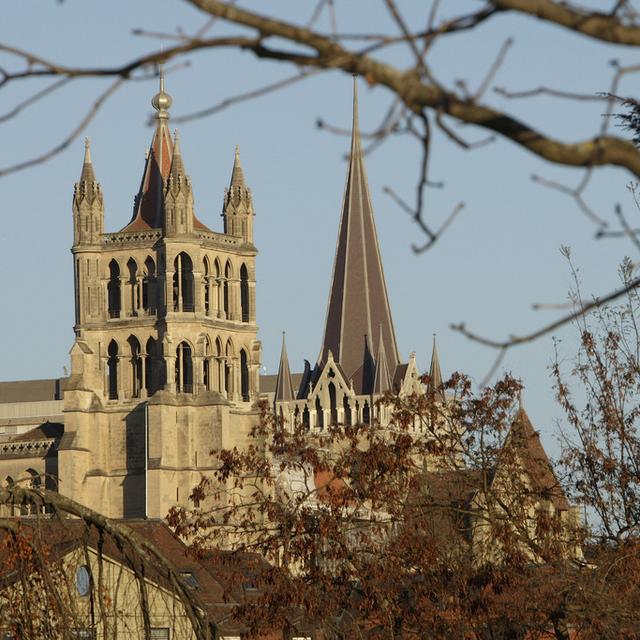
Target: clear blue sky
[{"x": 500, "y": 255}]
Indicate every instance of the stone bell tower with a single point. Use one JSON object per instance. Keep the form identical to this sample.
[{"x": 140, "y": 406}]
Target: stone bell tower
[{"x": 165, "y": 364}]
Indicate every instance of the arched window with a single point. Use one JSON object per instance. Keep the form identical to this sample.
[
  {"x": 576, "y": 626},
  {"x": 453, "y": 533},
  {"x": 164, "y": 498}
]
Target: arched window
[
  {"x": 347, "y": 411},
  {"x": 219, "y": 367},
  {"x": 244, "y": 293},
  {"x": 319, "y": 414},
  {"x": 184, "y": 369},
  {"x": 113, "y": 290},
  {"x": 366, "y": 413},
  {"x": 150, "y": 373},
  {"x": 136, "y": 367},
  {"x": 206, "y": 366},
  {"x": 228, "y": 379},
  {"x": 149, "y": 286},
  {"x": 226, "y": 302},
  {"x": 112, "y": 366},
  {"x": 333, "y": 414},
  {"x": 244, "y": 376},
  {"x": 183, "y": 283},
  {"x": 305, "y": 417},
  {"x": 134, "y": 293},
  {"x": 205, "y": 286}
]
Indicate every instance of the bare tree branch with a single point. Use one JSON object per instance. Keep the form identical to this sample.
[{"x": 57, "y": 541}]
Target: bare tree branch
[{"x": 583, "y": 310}]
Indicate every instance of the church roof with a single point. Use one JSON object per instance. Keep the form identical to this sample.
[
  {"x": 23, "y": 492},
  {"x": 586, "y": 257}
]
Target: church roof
[
  {"x": 358, "y": 301},
  {"x": 526, "y": 441},
  {"x": 148, "y": 208}
]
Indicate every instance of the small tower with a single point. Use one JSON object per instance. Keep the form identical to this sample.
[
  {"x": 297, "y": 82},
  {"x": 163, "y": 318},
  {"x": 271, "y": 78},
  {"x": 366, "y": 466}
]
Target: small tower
[
  {"x": 178, "y": 200},
  {"x": 88, "y": 223},
  {"x": 237, "y": 210},
  {"x": 88, "y": 208},
  {"x": 435, "y": 374}
]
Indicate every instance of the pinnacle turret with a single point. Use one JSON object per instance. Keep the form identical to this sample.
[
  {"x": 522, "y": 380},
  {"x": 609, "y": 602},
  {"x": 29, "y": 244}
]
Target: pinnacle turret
[
  {"x": 435, "y": 373},
  {"x": 237, "y": 209},
  {"x": 284, "y": 384},
  {"x": 237, "y": 174},
  {"x": 88, "y": 209},
  {"x": 382, "y": 381}
]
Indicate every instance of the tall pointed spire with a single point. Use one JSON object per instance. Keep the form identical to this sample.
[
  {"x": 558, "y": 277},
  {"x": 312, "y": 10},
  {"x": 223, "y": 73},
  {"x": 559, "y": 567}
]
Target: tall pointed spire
[
  {"x": 87, "y": 174},
  {"x": 237, "y": 175},
  {"x": 382, "y": 380},
  {"x": 177, "y": 163},
  {"x": 435, "y": 373},
  {"x": 237, "y": 207},
  {"x": 284, "y": 384},
  {"x": 358, "y": 300}
]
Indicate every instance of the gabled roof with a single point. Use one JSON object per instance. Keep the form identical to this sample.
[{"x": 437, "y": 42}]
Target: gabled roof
[
  {"x": 526, "y": 441},
  {"x": 358, "y": 301}
]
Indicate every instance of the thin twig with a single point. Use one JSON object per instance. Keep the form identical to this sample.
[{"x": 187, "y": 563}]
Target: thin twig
[
  {"x": 583, "y": 310},
  {"x": 113, "y": 87}
]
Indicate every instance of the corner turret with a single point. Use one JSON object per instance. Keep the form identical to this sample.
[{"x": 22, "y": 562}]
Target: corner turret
[
  {"x": 88, "y": 207},
  {"x": 237, "y": 210},
  {"x": 178, "y": 199}
]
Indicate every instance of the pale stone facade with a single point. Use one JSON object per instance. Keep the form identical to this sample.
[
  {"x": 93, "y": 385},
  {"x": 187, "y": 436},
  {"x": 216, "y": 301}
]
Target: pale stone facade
[{"x": 166, "y": 360}]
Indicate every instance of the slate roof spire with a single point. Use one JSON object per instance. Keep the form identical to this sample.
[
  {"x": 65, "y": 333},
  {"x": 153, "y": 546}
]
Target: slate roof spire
[
  {"x": 284, "y": 384},
  {"x": 435, "y": 373},
  {"x": 148, "y": 208},
  {"x": 358, "y": 301}
]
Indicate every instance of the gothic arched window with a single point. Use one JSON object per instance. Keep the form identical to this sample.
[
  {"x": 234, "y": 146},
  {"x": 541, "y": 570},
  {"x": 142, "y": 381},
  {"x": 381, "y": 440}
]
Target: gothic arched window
[
  {"x": 149, "y": 286},
  {"x": 112, "y": 366},
  {"x": 113, "y": 290},
  {"x": 136, "y": 367},
  {"x": 226, "y": 293},
  {"x": 333, "y": 414},
  {"x": 244, "y": 376},
  {"x": 184, "y": 368},
  {"x": 183, "y": 283},
  {"x": 319, "y": 414},
  {"x": 134, "y": 293},
  {"x": 150, "y": 372},
  {"x": 244, "y": 293}
]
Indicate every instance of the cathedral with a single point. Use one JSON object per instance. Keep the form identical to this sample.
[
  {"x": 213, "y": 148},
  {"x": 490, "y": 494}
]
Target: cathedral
[{"x": 165, "y": 365}]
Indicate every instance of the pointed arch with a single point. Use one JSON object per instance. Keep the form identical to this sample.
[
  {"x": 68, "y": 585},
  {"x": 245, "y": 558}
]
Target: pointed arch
[
  {"x": 306, "y": 422},
  {"x": 226, "y": 289},
  {"x": 184, "y": 368},
  {"x": 114, "y": 300},
  {"x": 244, "y": 293},
  {"x": 333, "y": 409},
  {"x": 133, "y": 293},
  {"x": 244, "y": 375},
  {"x": 149, "y": 286},
  {"x": 137, "y": 373},
  {"x": 183, "y": 295},
  {"x": 112, "y": 367},
  {"x": 207, "y": 369},
  {"x": 150, "y": 367},
  {"x": 206, "y": 285},
  {"x": 347, "y": 410},
  {"x": 220, "y": 366},
  {"x": 319, "y": 414}
]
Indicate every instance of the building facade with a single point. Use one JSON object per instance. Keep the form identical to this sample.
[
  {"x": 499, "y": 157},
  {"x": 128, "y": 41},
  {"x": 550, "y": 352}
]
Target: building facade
[
  {"x": 165, "y": 365},
  {"x": 165, "y": 362}
]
